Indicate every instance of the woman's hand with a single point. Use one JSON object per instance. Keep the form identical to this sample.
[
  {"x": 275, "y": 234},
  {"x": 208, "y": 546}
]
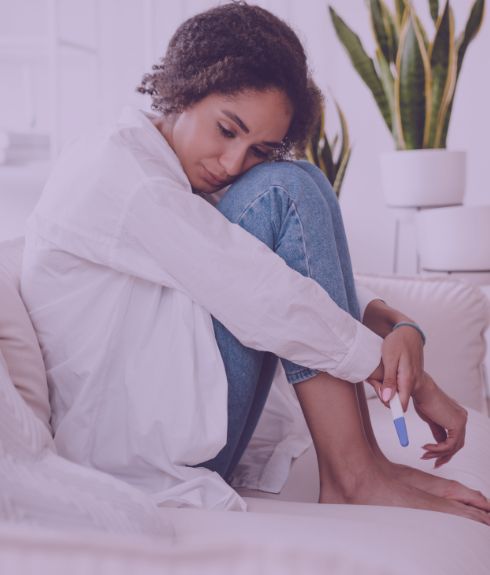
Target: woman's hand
[
  {"x": 403, "y": 362},
  {"x": 402, "y": 353},
  {"x": 445, "y": 417},
  {"x": 401, "y": 369}
]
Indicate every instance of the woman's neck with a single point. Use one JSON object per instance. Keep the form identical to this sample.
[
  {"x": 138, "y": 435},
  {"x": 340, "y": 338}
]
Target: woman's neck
[{"x": 164, "y": 125}]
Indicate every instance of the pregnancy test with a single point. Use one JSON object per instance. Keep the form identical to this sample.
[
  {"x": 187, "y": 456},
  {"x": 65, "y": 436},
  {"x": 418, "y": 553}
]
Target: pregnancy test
[{"x": 399, "y": 420}]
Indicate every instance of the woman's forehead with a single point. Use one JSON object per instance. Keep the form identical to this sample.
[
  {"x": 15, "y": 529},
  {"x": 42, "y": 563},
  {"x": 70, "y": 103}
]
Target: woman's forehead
[{"x": 253, "y": 110}]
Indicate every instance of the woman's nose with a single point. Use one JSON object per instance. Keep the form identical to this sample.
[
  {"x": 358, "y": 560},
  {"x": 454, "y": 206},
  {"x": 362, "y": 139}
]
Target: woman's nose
[{"x": 232, "y": 161}]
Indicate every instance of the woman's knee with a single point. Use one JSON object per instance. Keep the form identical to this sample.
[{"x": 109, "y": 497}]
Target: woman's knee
[
  {"x": 323, "y": 184},
  {"x": 288, "y": 178}
]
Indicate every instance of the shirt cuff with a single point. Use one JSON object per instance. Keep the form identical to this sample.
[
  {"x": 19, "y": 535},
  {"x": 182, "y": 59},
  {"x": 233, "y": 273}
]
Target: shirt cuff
[
  {"x": 363, "y": 357},
  {"x": 365, "y": 296}
]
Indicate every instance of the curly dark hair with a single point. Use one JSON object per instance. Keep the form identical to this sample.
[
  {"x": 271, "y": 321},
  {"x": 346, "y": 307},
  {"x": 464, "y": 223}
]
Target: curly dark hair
[{"x": 231, "y": 48}]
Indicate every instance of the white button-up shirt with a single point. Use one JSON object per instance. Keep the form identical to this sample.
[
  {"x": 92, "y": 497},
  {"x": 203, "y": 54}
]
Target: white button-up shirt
[{"x": 123, "y": 267}]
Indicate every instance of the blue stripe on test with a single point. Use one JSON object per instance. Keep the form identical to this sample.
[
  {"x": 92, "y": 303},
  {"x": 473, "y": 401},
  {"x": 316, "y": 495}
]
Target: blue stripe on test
[{"x": 401, "y": 430}]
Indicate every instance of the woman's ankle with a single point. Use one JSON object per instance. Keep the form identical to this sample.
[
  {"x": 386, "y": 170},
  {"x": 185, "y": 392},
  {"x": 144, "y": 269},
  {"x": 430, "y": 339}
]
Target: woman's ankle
[{"x": 345, "y": 486}]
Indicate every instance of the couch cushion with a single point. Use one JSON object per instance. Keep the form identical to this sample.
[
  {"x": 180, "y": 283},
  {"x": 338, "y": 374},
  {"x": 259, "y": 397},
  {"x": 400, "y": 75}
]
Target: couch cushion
[
  {"x": 454, "y": 315},
  {"x": 18, "y": 341}
]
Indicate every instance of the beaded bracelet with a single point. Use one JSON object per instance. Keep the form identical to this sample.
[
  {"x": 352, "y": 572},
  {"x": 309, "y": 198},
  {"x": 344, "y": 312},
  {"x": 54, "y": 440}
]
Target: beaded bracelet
[{"x": 411, "y": 324}]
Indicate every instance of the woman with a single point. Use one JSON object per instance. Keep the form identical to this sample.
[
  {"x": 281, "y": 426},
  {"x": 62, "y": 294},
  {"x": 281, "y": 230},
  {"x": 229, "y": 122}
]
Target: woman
[{"x": 161, "y": 318}]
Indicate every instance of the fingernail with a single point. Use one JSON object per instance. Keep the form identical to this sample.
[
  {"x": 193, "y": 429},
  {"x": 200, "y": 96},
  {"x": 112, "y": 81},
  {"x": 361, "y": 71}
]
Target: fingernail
[{"x": 386, "y": 394}]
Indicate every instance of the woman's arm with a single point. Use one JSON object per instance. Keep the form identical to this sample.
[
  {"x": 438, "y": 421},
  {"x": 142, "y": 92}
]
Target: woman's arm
[
  {"x": 403, "y": 361},
  {"x": 158, "y": 231},
  {"x": 381, "y": 318}
]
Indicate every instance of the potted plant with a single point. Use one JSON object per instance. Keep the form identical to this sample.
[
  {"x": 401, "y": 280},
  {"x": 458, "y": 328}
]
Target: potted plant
[
  {"x": 413, "y": 81},
  {"x": 332, "y": 157}
]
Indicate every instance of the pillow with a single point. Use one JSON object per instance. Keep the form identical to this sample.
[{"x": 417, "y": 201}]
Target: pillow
[
  {"x": 18, "y": 341},
  {"x": 454, "y": 316}
]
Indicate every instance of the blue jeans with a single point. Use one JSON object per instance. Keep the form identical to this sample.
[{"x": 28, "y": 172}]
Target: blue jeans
[{"x": 291, "y": 207}]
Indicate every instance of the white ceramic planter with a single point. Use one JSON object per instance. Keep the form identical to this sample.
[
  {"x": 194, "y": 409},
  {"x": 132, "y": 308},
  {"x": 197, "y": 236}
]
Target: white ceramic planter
[
  {"x": 423, "y": 178},
  {"x": 454, "y": 239}
]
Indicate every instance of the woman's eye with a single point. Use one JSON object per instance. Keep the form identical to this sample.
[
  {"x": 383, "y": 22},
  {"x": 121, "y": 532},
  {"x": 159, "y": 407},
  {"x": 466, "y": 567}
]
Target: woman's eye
[
  {"x": 260, "y": 154},
  {"x": 226, "y": 133}
]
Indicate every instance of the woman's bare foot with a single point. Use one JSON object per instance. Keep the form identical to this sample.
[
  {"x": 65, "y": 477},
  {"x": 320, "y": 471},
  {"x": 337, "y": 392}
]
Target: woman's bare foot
[
  {"x": 439, "y": 486},
  {"x": 383, "y": 489}
]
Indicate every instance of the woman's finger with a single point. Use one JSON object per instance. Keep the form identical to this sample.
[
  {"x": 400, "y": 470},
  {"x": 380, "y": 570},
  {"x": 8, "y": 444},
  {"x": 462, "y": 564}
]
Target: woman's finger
[
  {"x": 449, "y": 445},
  {"x": 428, "y": 456},
  {"x": 438, "y": 432},
  {"x": 377, "y": 388},
  {"x": 459, "y": 492},
  {"x": 404, "y": 384},
  {"x": 437, "y": 453},
  {"x": 388, "y": 388},
  {"x": 442, "y": 460}
]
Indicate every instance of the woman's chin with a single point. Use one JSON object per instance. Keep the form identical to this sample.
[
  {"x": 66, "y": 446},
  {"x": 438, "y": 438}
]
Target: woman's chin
[{"x": 203, "y": 187}]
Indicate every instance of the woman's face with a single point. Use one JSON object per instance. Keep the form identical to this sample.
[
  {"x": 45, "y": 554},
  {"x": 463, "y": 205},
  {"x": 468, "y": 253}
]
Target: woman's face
[{"x": 223, "y": 136}]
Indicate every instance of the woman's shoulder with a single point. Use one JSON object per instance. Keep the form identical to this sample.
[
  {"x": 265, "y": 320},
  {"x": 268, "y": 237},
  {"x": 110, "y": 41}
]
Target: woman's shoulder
[{"x": 135, "y": 135}]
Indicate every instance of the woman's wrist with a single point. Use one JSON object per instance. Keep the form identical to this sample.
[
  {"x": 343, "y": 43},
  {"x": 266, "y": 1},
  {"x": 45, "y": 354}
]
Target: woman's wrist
[
  {"x": 423, "y": 387},
  {"x": 381, "y": 318},
  {"x": 411, "y": 325}
]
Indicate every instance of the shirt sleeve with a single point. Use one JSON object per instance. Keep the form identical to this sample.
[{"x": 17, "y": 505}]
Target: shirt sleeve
[{"x": 177, "y": 239}]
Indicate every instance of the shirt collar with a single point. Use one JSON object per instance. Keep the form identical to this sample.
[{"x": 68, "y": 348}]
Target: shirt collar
[{"x": 153, "y": 140}]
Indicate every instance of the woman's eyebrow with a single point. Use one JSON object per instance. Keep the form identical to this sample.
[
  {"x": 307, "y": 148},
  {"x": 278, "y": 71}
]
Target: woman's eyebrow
[
  {"x": 241, "y": 124},
  {"x": 237, "y": 120}
]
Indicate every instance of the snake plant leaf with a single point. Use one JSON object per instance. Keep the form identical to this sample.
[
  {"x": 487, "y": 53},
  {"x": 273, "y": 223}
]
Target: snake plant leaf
[
  {"x": 314, "y": 142},
  {"x": 388, "y": 81},
  {"x": 325, "y": 160},
  {"x": 472, "y": 28},
  {"x": 339, "y": 178},
  {"x": 390, "y": 23},
  {"x": 340, "y": 165},
  {"x": 384, "y": 29},
  {"x": 363, "y": 64},
  {"x": 390, "y": 19},
  {"x": 412, "y": 84},
  {"x": 309, "y": 153},
  {"x": 344, "y": 130},
  {"x": 443, "y": 67},
  {"x": 326, "y": 163},
  {"x": 421, "y": 31},
  {"x": 400, "y": 6},
  {"x": 434, "y": 10},
  {"x": 320, "y": 152}
]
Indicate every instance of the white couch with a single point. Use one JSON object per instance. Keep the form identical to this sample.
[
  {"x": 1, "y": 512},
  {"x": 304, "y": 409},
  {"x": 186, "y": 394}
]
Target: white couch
[{"x": 285, "y": 532}]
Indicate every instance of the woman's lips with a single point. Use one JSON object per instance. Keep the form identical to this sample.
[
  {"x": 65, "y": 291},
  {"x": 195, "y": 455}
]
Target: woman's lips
[{"x": 212, "y": 179}]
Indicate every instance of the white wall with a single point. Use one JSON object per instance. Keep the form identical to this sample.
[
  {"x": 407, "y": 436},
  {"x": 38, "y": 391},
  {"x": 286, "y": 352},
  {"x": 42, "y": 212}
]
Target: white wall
[{"x": 127, "y": 51}]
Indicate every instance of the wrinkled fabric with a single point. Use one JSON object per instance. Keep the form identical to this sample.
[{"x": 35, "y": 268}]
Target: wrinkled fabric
[
  {"x": 38, "y": 487},
  {"x": 123, "y": 266}
]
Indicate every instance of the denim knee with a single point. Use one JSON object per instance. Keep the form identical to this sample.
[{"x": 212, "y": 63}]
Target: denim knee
[
  {"x": 283, "y": 206},
  {"x": 323, "y": 184},
  {"x": 292, "y": 177}
]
